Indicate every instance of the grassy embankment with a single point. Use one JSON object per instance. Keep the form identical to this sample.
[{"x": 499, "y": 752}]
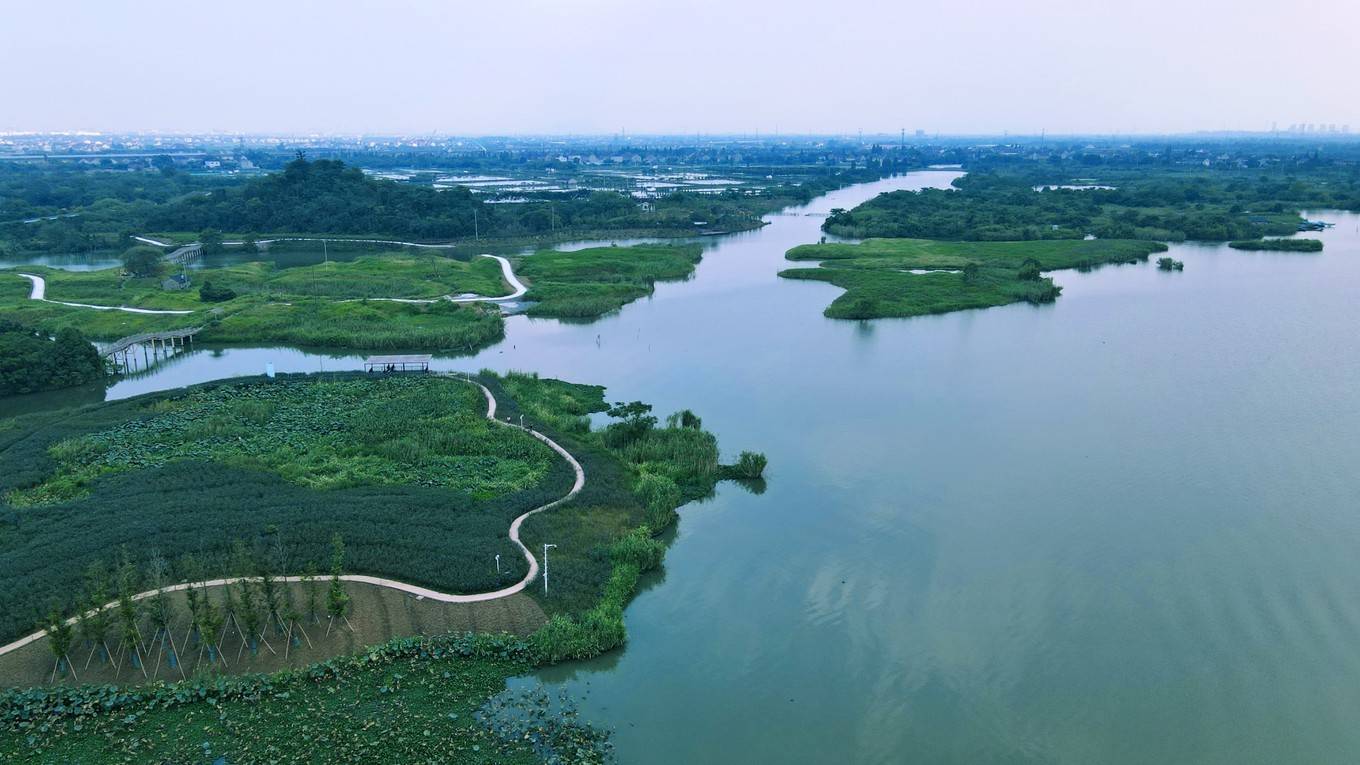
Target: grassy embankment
[
  {"x": 638, "y": 472},
  {"x": 878, "y": 283},
  {"x": 1278, "y": 245},
  {"x": 588, "y": 283}
]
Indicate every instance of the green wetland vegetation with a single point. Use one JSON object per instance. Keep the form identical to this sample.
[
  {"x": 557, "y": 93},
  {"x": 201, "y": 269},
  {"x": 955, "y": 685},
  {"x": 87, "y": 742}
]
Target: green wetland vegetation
[
  {"x": 1000, "y": 201},
  {"x": 913, "y": 277},
  {"x": 590, "y": 282},
  {"x": 420, "y": 486},
  {"x": 1278, "y": 245},
  {"x": 343, "y": 304}
]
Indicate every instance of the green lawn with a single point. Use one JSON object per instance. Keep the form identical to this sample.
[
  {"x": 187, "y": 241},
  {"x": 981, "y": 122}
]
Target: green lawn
[{"x": 878, "y": 280}]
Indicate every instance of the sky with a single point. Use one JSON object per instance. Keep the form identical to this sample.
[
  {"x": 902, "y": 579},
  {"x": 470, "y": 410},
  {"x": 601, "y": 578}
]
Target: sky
[{"x": 675, "y": 66}]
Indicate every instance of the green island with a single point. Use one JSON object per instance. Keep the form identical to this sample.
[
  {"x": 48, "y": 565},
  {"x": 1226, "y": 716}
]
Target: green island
[
  {"x": 913, "y": 277},
  {"x": 1116, "y": 199},
  {"x": 395, "y": 476},
  {"x": 1278, "y": 245},
  {"x": 590, "y": 282}
]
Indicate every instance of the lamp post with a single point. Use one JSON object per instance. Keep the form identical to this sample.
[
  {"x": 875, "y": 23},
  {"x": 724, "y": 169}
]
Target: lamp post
[
  {"x": 498, "y": 564},
  {"x": 545, "y": 567}
]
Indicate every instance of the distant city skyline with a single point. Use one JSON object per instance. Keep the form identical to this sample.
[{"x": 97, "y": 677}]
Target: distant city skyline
[{"x": 603, "y": 67}]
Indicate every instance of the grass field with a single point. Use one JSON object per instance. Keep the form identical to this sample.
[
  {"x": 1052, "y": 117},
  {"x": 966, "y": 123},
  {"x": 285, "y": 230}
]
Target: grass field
[
  {"x": 913, "y": 277},
  {"x": 583, "y": 284}
]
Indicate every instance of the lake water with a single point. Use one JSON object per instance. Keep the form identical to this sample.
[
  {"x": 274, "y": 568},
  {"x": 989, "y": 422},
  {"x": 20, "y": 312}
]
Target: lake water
[{"x": 1121, "y": 528}]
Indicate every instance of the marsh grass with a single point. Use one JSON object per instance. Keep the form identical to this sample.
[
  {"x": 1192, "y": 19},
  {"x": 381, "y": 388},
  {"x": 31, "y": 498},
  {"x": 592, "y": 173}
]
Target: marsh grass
[
  {"x": 591, "y": 282},
  {"x": 878, "y": 280}
]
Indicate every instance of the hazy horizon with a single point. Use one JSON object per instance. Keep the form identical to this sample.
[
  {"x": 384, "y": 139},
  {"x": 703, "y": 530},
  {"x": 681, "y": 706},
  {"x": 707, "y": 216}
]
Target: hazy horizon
[{"x": 600, "y": 67}]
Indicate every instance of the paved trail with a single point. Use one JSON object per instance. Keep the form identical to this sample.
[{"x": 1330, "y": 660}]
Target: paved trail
[
  {"x": 393, "y": 583},
  {"x": 517, "y": 289},
  {"x": 40, "y": 293}
]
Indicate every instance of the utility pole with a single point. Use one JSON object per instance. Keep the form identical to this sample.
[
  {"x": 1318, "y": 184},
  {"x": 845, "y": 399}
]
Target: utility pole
[
  {"x": 545, "y": 567},
  {"x": 476, "y": 229}
]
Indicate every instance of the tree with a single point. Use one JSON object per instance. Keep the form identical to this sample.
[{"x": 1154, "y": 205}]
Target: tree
[
  {"x": 635, "y": 418},
  {"x": 309, "y": 586},
  {"x": 94, "y": 623},
  {"x": 337, "y": 599},
  {"x": 160, "y": 607},
  {"x": 59, "y": 633},
  {"x": 142, "y": 261},
  {"x": 211, "y": 239},
  {"x": 128, "y": 610},
  {"x": 32, "y": 360},
  {"x": 970, "y": 273}
]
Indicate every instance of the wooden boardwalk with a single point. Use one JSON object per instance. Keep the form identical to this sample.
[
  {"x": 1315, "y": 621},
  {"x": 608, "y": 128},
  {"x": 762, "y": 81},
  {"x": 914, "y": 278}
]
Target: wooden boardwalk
[{"x": 159, "y": 343}]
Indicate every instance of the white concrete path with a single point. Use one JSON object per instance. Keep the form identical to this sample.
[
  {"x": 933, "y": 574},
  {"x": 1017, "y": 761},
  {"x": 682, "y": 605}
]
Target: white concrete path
[
  {"x": 40, "y": 293},
  {"x": 424, "y": 592},
  {"x": 517, "y": 288}
]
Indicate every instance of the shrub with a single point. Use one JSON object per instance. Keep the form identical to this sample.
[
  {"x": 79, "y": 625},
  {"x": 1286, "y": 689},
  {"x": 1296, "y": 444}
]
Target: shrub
[
  {"x": 749, "y": 466},
  {"x": 210, "y": 294}
]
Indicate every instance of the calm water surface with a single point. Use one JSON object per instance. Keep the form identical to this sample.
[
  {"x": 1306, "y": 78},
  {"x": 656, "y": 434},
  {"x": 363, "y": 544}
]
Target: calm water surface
[{"x": 1121, "y": 528}]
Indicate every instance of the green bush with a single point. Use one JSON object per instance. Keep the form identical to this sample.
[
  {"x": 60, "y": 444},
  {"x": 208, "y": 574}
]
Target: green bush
[{"x": 749, "y": 466}]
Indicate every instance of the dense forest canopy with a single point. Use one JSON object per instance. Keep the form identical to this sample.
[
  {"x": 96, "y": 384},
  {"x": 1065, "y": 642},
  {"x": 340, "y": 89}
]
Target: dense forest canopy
[{"x": 32, "y": 361}]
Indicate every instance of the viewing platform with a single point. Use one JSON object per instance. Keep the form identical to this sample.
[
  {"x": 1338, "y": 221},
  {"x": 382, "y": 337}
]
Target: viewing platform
[{"x": 406, "y": 363}]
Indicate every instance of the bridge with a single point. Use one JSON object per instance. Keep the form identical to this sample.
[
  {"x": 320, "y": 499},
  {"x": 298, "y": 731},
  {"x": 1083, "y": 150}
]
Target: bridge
[
  {"x": 155, "y": 345},
  {"x": 186, "y": 254}
]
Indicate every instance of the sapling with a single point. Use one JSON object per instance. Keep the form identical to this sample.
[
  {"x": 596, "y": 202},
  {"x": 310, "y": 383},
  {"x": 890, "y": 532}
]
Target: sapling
[{"x": 337, "y": 599}]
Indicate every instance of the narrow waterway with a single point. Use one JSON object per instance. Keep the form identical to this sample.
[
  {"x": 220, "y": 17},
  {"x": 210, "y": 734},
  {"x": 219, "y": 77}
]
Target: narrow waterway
[{"x": 1121, "y": 528}]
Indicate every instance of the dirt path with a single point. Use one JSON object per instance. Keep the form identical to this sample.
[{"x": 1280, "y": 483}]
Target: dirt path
[{"x": 393, "y": 583}]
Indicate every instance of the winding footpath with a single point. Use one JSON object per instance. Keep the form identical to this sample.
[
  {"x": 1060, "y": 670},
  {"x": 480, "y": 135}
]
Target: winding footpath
[
  {"x": 423, "y": 592},
  {"x": 517, "y": 289},
  {"x": 40, "y": 293}
]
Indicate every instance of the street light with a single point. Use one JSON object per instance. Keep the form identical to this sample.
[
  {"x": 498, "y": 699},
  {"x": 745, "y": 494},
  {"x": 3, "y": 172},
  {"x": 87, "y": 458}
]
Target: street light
[
  {"x": 545, "y": 567},
  {"x": 498, "y": 564}
]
